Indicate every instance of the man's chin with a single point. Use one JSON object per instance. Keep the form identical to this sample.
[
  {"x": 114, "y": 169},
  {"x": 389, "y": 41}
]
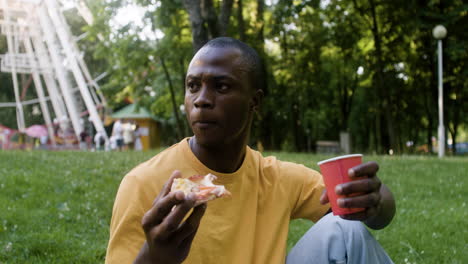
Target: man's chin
[{"x": 212, "y": 142}]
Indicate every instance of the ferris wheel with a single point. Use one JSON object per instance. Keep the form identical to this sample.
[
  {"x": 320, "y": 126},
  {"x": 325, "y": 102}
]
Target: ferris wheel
[{"x": 40, "y": 44}]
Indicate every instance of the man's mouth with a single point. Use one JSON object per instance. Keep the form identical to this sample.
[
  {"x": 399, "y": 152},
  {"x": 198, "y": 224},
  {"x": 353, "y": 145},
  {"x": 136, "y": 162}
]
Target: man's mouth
[{"x": 204, "y": 124}]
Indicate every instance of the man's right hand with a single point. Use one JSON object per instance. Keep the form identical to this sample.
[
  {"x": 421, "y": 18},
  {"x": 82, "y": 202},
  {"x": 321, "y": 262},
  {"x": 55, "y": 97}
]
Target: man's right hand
[{"x": 168, "y": 239}]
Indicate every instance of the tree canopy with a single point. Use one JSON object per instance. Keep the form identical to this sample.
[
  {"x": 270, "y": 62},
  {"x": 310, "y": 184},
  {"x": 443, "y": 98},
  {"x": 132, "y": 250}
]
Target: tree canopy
[{"x": 367, "y": 67}]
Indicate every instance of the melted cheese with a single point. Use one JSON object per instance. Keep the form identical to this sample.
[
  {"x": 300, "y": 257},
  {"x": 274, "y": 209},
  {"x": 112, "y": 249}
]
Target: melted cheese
[{"x": 185, "y": 185}]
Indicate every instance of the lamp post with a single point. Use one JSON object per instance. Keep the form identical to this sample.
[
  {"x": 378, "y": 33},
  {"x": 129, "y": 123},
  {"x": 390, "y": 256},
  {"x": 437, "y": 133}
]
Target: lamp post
[{"x": 439, "y": 32}]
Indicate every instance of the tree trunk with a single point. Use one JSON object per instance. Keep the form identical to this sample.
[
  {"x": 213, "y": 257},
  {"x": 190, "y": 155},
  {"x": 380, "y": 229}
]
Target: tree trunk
[
  {"x": 378, "y": 130},
  {"x": 429, "y": 136},
  {"x": 175, "y": 109},
  {"x": 383, "y": 93},
  {"x": 429, "y": 101},
  {"x": 199, "y": 33},
  {"x": 347, "y": 90},
  {"x": 240, "y": 21},
  {"x": 25, "y": 85},
  {"x": 260, "y": 22},
  {"x": 224, "y": 15},
  {"x": 182, "y": 76},
  {"x": 376, "y": 94},
  {"x": 209, "y": 16},
  {"x": 455, "y": 120},
  {"x": 453, "y": 133}
]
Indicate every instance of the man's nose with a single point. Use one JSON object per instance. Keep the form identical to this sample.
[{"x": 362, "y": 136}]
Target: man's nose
[{"x": 205, "y": 98}]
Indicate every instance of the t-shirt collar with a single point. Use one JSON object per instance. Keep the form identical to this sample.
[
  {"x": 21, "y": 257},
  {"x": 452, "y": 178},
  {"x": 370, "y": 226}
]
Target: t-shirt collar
[{"x": 201, "y": 169}]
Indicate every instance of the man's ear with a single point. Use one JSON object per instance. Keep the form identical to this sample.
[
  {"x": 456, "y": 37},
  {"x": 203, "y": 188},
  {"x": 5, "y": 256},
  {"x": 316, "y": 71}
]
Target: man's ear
[{"x": 257, "y": 99}]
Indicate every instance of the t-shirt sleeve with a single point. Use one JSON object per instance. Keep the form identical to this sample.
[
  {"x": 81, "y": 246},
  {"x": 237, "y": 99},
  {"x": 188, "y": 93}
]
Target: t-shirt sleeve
[
  {"x": 306, "y": 188},
  {"x": 126, "y": 233}
]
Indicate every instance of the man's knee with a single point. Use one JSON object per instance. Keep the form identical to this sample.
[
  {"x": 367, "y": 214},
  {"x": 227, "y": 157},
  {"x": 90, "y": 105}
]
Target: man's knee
[
  {"x": 351, "y": 239},
  {"x": 329, "y": 241},
  {"x": 323, "y": 243},
  {"x": 335, "y": 225}
]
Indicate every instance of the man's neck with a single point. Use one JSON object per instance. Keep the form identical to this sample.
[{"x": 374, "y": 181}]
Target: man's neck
[{"x": 227, "y": 159}]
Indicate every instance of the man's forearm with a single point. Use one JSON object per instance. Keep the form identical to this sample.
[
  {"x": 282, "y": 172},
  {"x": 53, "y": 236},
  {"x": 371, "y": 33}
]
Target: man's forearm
[{"x": 386, "y": 210}]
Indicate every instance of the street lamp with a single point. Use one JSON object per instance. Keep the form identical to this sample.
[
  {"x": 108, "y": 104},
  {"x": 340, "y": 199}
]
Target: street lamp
[{"x": 439, "y": 32}]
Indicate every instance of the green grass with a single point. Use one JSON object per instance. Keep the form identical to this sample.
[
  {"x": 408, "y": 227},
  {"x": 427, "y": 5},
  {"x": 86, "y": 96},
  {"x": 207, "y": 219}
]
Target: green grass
[{"x": 55, "y": 207}]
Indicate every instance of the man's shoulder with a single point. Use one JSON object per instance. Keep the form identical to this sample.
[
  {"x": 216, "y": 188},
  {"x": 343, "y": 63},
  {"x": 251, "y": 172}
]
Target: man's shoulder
[
  {"x": 273, "y": 165},
  {"x": 273, "y": 161}
]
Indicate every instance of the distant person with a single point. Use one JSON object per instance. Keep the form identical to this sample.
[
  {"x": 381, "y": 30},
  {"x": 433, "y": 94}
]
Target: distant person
[
  {"x": 117, "y": 133},
  {"x": 44, "y": 140},
  {"x": 128, "y": 136},
  {"x": 6, "y": 139},
  {"x": 83, "y": 140},
  {"x": 99, "y": 141},
  {"x": 137, "y": 135},
  {"x": 2, "y": 139},
  {"x": 150, "y": 224},
  {"x": 112, "y": 143}
]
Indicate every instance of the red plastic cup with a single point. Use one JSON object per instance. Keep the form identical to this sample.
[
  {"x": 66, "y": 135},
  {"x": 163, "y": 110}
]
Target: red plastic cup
[{"x": 334, "y": 172}]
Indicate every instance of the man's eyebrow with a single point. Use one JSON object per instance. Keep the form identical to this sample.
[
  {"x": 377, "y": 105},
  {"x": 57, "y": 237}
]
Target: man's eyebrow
[
  {"x": 216, "y": 77},
  {"x": 191, "y": 76},
  {"x": 223, "y": 77}
]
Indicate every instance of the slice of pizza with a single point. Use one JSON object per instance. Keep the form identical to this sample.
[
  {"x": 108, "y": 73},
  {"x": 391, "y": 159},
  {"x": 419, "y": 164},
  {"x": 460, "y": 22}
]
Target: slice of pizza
[{"x": 203, "y": 187}]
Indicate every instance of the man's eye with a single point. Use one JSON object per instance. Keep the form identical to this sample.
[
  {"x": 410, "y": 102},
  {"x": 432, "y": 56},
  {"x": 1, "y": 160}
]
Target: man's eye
[
  {"x": 222, "y": 87},
  {"x": 192, "y": 86}
]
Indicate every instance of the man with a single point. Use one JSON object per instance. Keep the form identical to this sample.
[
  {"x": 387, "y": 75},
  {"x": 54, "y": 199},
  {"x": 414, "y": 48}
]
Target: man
[
  {"x": 127, "y": 135},
  {"x": 117, "y": 133},
  {"x": 83, "y": 140},
  {"x": 223, "y": 92},
  {"x": 99, "y": 141}
]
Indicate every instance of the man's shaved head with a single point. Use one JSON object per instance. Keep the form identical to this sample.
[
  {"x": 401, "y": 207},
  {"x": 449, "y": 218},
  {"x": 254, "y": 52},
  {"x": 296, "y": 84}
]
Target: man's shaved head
[{"x": 249, "y": 55}]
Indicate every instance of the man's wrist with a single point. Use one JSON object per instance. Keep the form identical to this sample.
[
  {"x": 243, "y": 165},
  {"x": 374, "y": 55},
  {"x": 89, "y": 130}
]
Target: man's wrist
[
  {"x": 374, "y": 221},
  {"x": 385, "y": 210},
  {"x": 144, "y": 257}
]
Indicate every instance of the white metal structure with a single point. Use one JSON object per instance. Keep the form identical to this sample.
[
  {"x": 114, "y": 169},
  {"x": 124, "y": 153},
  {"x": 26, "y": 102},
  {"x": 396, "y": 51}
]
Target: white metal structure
[
  {"x": 439, "y": 32},
  {"x": 40, "y": 43}
]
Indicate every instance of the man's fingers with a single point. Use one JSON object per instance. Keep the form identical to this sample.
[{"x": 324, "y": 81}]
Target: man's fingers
[
  {"x": 359, "y": 186},
  {"x": 161, "y": 208},
  {"x": 172, "y": 222},
  {"x": 362, "y": 201},
  {"x": 174, "y": 219},
  {"x": 324, "y": 197},
  {"x": 365, "y": 169},
  {"x": 361, "y": 216},
  {"x": 190, "y": 226}
]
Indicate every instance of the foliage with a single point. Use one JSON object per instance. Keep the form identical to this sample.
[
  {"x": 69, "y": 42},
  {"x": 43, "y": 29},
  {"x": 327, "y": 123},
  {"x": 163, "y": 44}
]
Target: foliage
[
  {"x": 56, "y": 206},
  {"x": 354, "y": 65},
  {"x": 366, "y": 67}
]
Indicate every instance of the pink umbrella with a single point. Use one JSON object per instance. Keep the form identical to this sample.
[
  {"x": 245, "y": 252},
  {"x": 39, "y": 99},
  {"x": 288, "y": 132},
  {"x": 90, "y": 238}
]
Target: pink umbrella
[{"x": 36, "y": 131}]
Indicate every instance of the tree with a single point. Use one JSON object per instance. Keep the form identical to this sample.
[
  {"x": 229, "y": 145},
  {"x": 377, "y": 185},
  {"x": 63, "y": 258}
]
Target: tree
[
  {"x": 205, "y": 23},
  {"x": 312, "y": 52}
]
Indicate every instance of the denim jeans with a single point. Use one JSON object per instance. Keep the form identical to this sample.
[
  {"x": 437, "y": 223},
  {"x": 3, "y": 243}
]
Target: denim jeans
[{"x": 338, "y": 241}]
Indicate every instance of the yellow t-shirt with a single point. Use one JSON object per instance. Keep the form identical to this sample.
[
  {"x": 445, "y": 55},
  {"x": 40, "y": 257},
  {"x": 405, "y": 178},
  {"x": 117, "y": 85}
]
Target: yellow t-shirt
[{"x": 249, "y": 227}]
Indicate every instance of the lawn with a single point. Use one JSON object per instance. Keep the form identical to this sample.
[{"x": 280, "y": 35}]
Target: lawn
[{"x": 55, "y": 207}]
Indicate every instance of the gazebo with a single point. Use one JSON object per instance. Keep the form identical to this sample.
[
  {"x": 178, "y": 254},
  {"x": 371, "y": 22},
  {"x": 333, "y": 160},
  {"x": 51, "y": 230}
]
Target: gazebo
[{"x": 148, "y": 124}]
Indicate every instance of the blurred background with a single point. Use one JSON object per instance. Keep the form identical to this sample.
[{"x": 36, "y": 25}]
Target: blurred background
[{"x": 342, "y": 75}]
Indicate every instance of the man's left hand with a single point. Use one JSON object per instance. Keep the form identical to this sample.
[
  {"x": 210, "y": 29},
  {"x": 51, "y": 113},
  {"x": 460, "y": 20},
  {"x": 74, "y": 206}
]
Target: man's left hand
[{"x": 365, "y": 191}]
